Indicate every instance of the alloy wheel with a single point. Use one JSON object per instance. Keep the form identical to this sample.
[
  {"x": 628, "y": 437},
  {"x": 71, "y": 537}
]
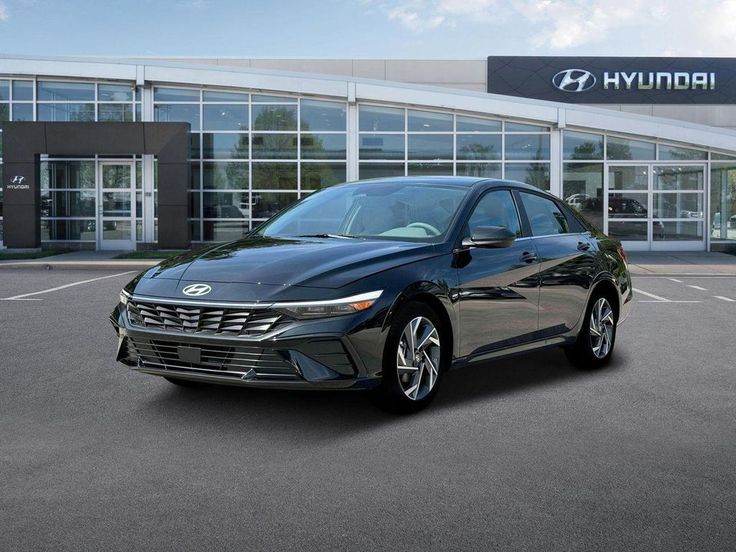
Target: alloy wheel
[
  {"x": 418, "y": 358},
  {"x": 601, "y": 328}
]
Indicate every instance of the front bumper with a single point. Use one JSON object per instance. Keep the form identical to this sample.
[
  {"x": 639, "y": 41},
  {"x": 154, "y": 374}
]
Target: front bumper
[{"x": 316, "y": 360}]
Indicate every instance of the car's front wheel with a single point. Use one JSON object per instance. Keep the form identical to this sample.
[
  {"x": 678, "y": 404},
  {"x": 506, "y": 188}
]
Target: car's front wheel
[
  {"x": 414, "y": 360},
  {"x": 594, "y": 345}
]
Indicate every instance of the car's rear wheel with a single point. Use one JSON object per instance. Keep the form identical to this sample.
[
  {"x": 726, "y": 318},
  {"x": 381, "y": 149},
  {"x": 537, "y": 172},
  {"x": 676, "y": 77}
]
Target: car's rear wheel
[
  {"x": 414, "y": 360},
  {"x": 594, "y": 345}
]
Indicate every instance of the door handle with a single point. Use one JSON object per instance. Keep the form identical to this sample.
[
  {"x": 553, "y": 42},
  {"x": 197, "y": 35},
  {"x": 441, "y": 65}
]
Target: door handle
[
  {"x": 528, "y": 257},
  {"x": 583, "y": 246}
]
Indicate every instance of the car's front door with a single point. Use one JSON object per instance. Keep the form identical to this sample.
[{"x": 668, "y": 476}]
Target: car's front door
[
  {"x": 498, "y": 287},
  {"x": 566, "y": 264}
]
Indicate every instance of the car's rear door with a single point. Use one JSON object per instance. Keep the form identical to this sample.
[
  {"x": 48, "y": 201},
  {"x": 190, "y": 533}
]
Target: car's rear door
[
  {"x": 566, "y": 262},
  {"x": 498, "y": 287}
]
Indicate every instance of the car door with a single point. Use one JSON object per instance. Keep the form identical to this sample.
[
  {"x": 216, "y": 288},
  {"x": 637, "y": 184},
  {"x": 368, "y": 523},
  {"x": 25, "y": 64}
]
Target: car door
[
  {"x": 498, "y": 287},
  {"x": 566, "y": 263}
]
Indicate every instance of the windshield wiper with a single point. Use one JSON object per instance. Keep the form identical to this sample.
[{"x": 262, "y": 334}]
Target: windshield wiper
[{"x": 337, "y": 236}]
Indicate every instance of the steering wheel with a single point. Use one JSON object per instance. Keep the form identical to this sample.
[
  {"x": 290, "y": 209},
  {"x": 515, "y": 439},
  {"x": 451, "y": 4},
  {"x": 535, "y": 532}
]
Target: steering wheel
[{"x": 431, "y": 230}]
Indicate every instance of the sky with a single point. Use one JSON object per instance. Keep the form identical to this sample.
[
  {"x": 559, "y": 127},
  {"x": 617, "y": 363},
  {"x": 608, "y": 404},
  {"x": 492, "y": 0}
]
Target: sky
[{"x": 451, "y": 29}]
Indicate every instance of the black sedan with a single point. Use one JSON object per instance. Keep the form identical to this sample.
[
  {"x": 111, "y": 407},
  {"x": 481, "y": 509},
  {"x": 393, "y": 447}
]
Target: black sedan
[{"x": 383, "y": 285}]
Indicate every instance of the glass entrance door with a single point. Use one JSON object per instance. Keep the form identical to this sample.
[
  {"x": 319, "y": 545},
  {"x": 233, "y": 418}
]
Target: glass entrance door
[
  {"x": 116, "y": 206},
  {"x": 656, "y": 207}
]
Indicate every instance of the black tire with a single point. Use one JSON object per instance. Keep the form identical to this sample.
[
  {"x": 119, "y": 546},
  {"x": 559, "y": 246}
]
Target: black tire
[
  {"x": 181, "y": 382},
  {"x": 393, "y": 394},
  {"x": 583, "y": 353}
]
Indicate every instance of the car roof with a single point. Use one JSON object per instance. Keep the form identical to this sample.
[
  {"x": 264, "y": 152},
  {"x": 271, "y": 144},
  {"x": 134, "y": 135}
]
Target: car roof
[{"x": 459, "y": 181}]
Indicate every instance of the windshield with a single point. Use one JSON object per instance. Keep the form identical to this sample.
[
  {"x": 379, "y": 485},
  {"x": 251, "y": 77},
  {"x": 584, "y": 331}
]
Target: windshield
[{"x": 386, "y": 209}]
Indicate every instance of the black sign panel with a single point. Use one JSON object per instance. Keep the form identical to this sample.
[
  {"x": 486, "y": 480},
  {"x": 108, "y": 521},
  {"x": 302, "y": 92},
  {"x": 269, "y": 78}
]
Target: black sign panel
[{"x": 623, "y": 80}]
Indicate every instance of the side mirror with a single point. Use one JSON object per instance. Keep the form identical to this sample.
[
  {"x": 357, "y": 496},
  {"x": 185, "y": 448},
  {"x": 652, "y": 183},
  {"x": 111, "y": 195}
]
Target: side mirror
[{"x": 490, "y": 236}]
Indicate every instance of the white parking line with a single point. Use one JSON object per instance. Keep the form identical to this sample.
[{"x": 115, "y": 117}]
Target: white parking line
[
  {"x": 22, "y": 297},
  {"x": 697, "y": 287},
  {"x": 657, "y": 298},
  {"x": 675, "y": 280},
  {"x": 722, "y": 298}
]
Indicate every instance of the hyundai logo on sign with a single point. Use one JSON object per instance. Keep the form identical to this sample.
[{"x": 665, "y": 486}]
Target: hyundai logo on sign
[
  {"x": 196, "y": 290},
  {"x": 574, "y": 80}
]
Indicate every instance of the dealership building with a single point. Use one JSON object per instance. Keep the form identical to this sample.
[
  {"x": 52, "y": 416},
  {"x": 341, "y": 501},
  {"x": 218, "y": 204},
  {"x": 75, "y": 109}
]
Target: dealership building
[{"x": 168, "y": 153}]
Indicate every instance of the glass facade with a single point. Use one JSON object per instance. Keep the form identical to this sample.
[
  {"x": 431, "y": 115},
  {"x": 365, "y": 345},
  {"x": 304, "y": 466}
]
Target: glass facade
[{"x": 254, "y": 153}]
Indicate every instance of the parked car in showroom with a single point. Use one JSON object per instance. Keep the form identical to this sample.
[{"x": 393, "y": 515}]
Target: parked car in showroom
[{"x": 382, "y": 285}]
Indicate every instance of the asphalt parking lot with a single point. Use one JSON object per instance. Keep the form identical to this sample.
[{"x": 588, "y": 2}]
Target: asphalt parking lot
[{"x": 522, "y": 453}]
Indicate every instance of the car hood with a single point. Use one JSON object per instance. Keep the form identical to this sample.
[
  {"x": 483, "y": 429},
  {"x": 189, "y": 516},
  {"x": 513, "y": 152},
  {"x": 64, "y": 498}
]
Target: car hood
[{"x": 307, "y": 262}]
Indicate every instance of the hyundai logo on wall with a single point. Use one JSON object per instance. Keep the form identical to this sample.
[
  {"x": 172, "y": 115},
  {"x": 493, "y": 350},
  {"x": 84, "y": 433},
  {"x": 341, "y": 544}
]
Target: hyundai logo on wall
[
  {"x": 196, "y": 290},
  {"x": 574, "y": 80}
]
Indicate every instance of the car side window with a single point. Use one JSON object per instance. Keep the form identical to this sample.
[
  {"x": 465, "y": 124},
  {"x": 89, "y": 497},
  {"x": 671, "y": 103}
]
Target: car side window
[
  {"x": 545, "y": 217},
  {"x": 495, "y": 209}
]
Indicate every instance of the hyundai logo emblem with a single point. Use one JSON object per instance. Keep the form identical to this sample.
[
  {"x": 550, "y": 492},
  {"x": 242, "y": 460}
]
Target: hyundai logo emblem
[
  {"x": 196, "y": 290},
  {"x": 574, "y": 80}
]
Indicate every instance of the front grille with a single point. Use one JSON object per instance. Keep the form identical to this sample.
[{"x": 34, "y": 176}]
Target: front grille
[
  {"x": 235, "y": 361},
  {"x": 196, "y": 319}
]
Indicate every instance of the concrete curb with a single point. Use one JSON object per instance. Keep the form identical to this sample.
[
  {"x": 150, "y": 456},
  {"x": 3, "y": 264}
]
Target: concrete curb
[{"x": 82, "y": 265}]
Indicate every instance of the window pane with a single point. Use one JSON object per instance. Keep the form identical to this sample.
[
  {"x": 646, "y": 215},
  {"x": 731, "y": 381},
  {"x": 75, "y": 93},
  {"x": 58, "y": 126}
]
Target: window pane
[
  {"x": 430, "y": 146},
  {"x": 484, "y": 170},
  {"x": 225, "y": 205},
  {"x": 115, "y": 112},
  {"x": 4, "y": 112},
  {"x": 667, "y": 153},
  {"x": 195, "y": 198},
  {"x": 475, "y": 124},
  {"x": 179, "y": 113},
  {"x": 627, "y": 205},
  {"x": 224, "y": 146},
  {"x": 66, "y": 112},
  {"x": 478, "y": 146},
  {"x": 274, "y": 146},
  {"x": 274, "y": 117},
  {"x": 544, "y": 216},
  {"x": 381, "y": 119},
  {"x": 323, "y": 115},
  {"x": 527, "y": 146},
  {"x": 265, "y": 205},
  {"x": 4, "y": 90},
  {"x": 274, "y": 176},
  {"x": 495, "y": 209},
  {"x": 225, "y": 176},
  {"x": 68, "y": 230},
  {"x": 520, "y": 127},
  {"x": 22, "y": 111},
  {"x": 623, "y": 148},
  {"x": 273, "y": 99},
  {"x": 221, "y": 96},
  {"x": 534, "y": 174},
  {"x": 218, "y": 231},
  {"x": 579, "y": 145},
  {"x": 323, "y": 146},
  {"x": 66, "y": 91},
  {"x": 67, "y": 174},
  {"x": 582, "y": 189},
  {"x": 381, "y": 146},
  {"x": 677, "y": 231},
  {"x": 425, "y": 121},
  {"x": 161, "y": 94},
  {"x": 380, "y": 170},
  {"x": 195, "y": 183},
  {"x": 678, "y": 178},
  {"x": 316, "y": 176},
  {"x": 628, "y": 230},
  {"x": 68, "y": 204},
  {"x": 430, "y": 169},
  {"x": 628, "y": 178},
  {"x": 225, "y": 117},
  {"x": 114, "y": 93},
  {"x": 723, "y": 202},
  {"x": 22, "y": 90},
  {"x": 683, "y": 205}
]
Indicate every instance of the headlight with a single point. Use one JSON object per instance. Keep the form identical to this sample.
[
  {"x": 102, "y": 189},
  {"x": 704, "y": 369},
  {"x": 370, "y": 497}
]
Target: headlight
[
  {"x": 334, "y": 307},
  {"x": 124, "y": 296}
]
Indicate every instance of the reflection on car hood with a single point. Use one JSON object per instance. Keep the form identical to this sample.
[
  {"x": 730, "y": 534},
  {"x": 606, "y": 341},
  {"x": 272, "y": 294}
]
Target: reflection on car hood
[{"x": 311, "y": 262}]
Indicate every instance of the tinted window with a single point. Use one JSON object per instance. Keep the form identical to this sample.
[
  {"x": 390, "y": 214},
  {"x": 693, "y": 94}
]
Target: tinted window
[
  {"x": 544, "y": 216},
  {"x": 495, "y": 209}
]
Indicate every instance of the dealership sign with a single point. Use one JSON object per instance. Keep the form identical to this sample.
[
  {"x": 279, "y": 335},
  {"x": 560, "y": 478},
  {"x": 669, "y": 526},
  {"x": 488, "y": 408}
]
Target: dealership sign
[{"x": 615, "y": 80}]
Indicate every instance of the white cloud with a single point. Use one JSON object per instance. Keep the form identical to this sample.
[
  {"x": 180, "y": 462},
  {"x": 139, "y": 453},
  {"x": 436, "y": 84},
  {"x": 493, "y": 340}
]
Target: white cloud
[{"x": 3, "y": 12}]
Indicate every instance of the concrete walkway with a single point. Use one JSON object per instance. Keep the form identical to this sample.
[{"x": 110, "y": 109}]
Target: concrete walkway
[
  {"x": 82, "y": 260},
  {"x": 663, "y": 263}
]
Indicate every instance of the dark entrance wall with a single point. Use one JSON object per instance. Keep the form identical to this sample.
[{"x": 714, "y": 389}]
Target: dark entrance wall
[{"x": 24, "y": 142}]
